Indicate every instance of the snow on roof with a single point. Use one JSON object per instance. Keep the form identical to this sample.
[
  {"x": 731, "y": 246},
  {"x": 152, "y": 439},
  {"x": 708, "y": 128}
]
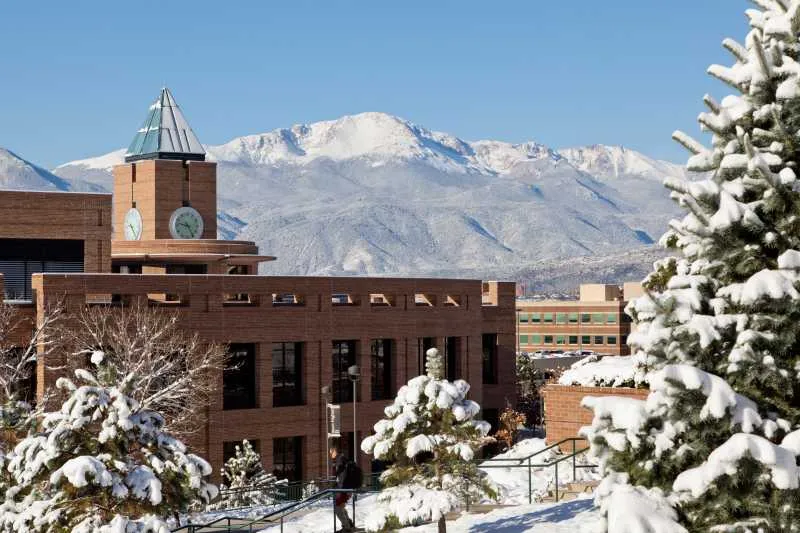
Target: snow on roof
[
  {"x": 609, "y": 371},
  {"x": 165, "y": 132}
]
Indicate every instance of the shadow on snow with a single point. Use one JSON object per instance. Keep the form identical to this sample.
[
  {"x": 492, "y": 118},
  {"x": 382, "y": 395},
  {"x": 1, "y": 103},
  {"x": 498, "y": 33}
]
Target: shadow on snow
[{"x": 554, "y": 514}]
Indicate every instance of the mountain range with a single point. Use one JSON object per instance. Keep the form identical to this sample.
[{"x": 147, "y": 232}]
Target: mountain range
[{"x": 373, "y": 194}]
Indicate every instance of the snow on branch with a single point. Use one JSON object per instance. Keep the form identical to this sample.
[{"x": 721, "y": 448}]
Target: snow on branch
[
  {"x": 780, "y": 461},
  {"x": 721, "y": 400}
]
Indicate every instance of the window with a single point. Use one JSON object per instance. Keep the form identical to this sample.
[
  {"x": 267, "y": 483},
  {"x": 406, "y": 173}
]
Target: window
[
  {"x": 586, "y": 339},
  {"x": 623, "y": 340},
  {"x": 561, "y": 318},
  {"x": 239, "y": 378},
  {"x": 381, "y": 364},
  {"x": 451, "y": 362},
  {"x": 573, "y": 318},
  {"x": 612, "y": 340},
  {"x": 536, "y": 318},
  {"x": 523, "y": 318},
  {"x": 548, "y": 318},
  {"x": 599, "y": 318},
  {"x": 548, "y": 339},
  {"x": 19, "y": 258},
  {"x": 287, "y": 374},
  {"x": 598, "y": 339},
  {"x": 423, "y": 345},
  {"x": 492, "y": 416},
  {"x": 25, "y": 388},
  {"x": 187, "y": 269},
  {"x": 536, "y": 339},
  {"x": 573, "y": 339},
  {"x": 126, "y": 268},
  {"x": 523, "y": 339},
  {"x": 287, "y": 455},
  {"x": 489, "y": 342},
  {"x": 561, "y": 339},
  {"x": 585, "y": 318},
  {"x": 229, "y": 448},
  {"x": 344, "y": 356},
  {"x": 611, "y": 318}
]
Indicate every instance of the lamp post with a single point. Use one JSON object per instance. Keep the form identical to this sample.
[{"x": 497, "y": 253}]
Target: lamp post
[
  {"x": 354, "y": 372},
  {"x": 326, "y": 397}
]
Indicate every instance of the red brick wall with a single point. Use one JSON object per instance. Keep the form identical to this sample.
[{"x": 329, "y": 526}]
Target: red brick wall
[
  {"x": 563, "y": 414},
  {"x": 316, "y": 323}
]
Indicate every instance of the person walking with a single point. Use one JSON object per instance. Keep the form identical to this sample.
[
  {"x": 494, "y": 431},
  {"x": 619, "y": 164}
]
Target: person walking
[{"x": 341, "y": 466}]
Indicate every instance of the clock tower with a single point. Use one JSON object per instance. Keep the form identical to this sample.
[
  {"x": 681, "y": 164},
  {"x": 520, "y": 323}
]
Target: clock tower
[
  {"x": 165, "y": 203},
  {"x": 166, "y": 189}
]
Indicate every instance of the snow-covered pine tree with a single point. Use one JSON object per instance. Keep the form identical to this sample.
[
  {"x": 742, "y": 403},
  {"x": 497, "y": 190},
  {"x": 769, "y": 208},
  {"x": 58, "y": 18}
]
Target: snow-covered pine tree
[
  {"x": 101, "y": 463},
  {"x": 245, "y": 482},
  {"x": 429, "y": 436},
  {"x": 714, "y": 447}
]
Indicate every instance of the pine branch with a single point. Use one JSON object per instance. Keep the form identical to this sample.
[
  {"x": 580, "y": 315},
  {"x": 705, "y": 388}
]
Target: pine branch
[
  {"x": 688, "y": 142},
  {"x": 737, "y": 50}
]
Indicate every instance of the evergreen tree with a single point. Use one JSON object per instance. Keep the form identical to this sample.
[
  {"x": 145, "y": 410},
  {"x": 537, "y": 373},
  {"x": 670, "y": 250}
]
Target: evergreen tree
[
  {"x": 101, "y": 463},
  {"x": 429, "y": 437},
  {"x": 245, "y": 482},
  {"x": 714, "y": 447}
]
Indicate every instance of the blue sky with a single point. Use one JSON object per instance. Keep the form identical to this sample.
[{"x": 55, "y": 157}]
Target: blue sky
[{"x": 77, "y": 76}]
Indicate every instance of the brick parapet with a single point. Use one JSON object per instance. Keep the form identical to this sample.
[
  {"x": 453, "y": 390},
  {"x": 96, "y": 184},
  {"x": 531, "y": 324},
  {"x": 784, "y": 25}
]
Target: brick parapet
[{"x": 563, "y": 413}]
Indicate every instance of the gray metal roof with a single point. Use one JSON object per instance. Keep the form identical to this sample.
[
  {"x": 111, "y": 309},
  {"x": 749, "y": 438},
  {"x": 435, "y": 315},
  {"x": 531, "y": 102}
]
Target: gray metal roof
[{"x": 165, "y": 134}]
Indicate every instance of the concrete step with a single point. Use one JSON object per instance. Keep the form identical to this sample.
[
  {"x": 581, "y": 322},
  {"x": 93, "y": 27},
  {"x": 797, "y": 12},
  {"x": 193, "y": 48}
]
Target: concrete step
[
  {"x": 480, "y": 508},
  {"x": 582, "y": 486},
  {"x": 571, "y": 491}
]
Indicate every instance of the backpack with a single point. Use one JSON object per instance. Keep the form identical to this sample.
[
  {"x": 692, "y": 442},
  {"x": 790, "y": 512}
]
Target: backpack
[{"x": 353, "y": 477}]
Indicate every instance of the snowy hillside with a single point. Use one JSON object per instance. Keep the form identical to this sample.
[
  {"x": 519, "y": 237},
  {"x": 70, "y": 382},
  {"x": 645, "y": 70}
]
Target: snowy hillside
[
  {"x": 17, "y": 173},
  {"x": 376, "y": 194}
]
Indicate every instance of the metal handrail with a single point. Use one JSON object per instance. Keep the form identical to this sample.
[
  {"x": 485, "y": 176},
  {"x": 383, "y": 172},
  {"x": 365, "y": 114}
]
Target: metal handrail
[
  {"x": 530, "y": 465},
  {"x": 539, "y": 452},
  {"x": 272, "y": 516}
]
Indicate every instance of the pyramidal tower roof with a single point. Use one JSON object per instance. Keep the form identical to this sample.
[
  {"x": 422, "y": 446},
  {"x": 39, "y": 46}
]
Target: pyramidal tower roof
[{"x": 165, "y": 134}]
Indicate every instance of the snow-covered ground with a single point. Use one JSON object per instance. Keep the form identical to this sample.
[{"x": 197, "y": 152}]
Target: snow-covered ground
[
  {"x": 576, "y": 516},
  {"x": 573, "y": 516}
]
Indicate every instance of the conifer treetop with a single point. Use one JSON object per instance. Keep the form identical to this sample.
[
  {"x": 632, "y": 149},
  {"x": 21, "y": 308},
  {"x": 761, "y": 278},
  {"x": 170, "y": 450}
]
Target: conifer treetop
[{"x": 713, "y": 448}]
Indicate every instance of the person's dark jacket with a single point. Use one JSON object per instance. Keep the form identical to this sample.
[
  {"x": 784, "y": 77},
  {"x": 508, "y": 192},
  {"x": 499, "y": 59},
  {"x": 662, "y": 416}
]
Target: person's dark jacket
[{"x": 340, "y": 470}]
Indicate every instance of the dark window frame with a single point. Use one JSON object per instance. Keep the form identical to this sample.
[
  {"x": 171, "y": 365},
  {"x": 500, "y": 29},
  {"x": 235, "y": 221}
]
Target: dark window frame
[
  {"x": 489, "y": 371},
  {"x": 287, "y": 392},
  {"x": 341, "y": 360},
  {"x": 287, "y": 458},
  {"x": 239, "y": 383},
  {"x": 381, "y": 356},
  {"x": 452, "y": 366}
]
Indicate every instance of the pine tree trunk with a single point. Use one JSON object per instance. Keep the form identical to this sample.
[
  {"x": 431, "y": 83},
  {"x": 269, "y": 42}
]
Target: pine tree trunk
[{"x": 442, "y": 525}]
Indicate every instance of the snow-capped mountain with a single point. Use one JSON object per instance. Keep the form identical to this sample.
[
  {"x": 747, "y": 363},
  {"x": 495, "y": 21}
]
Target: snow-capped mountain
[
  {"x": 17, "y": 173},
  {"x": 617, "y": 162},
  {"x": 376, "y": 194}
]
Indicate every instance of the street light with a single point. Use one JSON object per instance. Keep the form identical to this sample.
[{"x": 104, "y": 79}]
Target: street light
[
  {"x": 354, "y": 372},
  {"x": 326, "y": 397}
]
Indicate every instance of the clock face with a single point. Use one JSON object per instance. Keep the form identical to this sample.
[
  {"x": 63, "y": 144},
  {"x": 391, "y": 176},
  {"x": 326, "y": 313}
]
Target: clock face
[
  {"x": 133, "y": 225},
  {"x": 186, "y": 223}
]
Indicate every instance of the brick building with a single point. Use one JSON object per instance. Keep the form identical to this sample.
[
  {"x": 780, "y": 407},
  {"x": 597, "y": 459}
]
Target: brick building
[
  {"x": 596, "y": 321},
  {"x": 291, "y": 336}
]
